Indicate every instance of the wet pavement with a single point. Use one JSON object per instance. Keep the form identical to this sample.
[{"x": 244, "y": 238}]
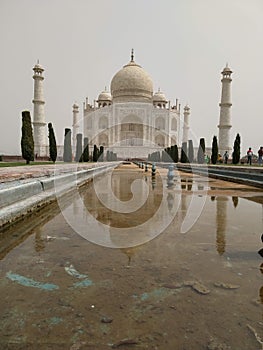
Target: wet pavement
[{"x": 200, "y": 288}]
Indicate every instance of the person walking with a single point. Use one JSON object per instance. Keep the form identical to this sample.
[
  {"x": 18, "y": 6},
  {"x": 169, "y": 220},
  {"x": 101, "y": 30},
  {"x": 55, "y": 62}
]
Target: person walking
[
  {"x": 260, "y": 155},
  {"x": 249, "y": 156}
]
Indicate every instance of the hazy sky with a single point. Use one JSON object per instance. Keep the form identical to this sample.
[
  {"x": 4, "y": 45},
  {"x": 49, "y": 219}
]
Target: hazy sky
[{"x": 182, "y": 44}]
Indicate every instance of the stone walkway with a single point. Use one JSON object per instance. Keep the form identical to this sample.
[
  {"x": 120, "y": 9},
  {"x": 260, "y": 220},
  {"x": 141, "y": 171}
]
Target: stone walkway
[{"x": 8, "y": 174}]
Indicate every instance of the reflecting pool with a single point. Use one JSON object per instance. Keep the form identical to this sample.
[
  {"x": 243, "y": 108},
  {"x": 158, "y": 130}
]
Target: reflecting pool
[{"x": 196, "y": 285}]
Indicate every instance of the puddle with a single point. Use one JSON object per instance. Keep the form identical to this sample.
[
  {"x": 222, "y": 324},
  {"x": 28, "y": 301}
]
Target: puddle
[{"x": 202, "y": 289}]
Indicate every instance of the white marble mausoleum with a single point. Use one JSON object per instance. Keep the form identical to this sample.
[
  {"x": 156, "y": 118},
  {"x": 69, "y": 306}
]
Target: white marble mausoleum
[{"x": 131, "y": 119}]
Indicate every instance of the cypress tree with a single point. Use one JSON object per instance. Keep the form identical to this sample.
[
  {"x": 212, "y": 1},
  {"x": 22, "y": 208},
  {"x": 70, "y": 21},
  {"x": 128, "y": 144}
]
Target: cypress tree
[
  {"x": 190, "y": 151},
  {"x": 95, "y": 153},
  {"x": 78, "y": 156},
  {"x": 236, "y": 152},
  {"x": 101, "y": 154},
  {"x": 201, "y": 152},
  {"x": 27, "y": 140},
  {"x": 52, "y": 143},
  {"x": 214, "y": 155},
  {"x": 168, "y": 151},
  {"x": 184, "y": 158},
  {"x": 173, "y": 152},
  {"x": 86, "y": 150},
  {"x": 67, "y": 155},
  {"x": 176, "y": 155},
  {"x": 108, "y": 156},
  {"x": 163, "y": 156},
  {"x": 111, "y": 155}
]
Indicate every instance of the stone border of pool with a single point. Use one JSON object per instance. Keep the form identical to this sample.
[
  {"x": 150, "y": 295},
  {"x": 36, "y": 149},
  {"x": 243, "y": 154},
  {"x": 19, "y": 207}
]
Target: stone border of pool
[
  {"x": 19, "y": 198},
  {"x": 252, "y": 176}
]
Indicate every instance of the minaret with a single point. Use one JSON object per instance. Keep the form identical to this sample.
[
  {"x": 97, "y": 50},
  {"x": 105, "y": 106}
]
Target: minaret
[
  {"x": 75, "y": 126},
  {"x": 39, "y": 124},
  {"x": 225, "y": 115},
  {"x": 186, "y": 123}
]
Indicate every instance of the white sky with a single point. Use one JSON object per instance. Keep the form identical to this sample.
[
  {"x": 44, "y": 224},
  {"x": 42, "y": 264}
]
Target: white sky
[{"x": 182, "y": 44}]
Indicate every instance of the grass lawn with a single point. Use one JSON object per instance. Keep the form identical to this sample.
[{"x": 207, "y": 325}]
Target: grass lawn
[{"x": 11, "y": 164}]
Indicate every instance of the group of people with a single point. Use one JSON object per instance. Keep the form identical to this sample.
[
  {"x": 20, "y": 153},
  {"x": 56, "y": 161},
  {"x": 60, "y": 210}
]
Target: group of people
[{"x": 249, "y": 156}]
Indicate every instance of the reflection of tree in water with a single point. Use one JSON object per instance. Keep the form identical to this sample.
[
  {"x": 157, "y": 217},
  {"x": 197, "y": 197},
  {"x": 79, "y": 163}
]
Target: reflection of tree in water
[
  {"x": 39, "y": 241},
  {"x": 261, "y": 289},
  {"x": 221, "y": 215},
  {"x": 235, "y": 201},
  {"x": 129, "y": 252},
  {"x": 170, "y": 200},
  {"x": 261, "y": 294}
]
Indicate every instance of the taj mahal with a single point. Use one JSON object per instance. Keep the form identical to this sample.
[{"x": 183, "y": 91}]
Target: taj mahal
[{"x": 131, "y": 119}]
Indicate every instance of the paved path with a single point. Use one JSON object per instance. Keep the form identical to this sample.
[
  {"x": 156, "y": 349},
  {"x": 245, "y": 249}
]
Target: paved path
[{"x": 35, "y": 171}]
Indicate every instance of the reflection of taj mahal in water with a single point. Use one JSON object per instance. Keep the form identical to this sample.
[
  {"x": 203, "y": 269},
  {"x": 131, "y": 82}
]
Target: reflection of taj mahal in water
[{"x": 130, "y": 119}]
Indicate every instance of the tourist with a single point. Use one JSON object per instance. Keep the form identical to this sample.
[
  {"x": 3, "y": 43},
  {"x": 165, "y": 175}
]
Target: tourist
[
  {"x": 249, "y": 156},
  {"x": 226, "y": 156},
  {"x": 260, "y": 155}
]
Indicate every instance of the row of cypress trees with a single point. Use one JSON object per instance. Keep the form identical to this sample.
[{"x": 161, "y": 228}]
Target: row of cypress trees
[
  {"x": 235, "y": 154},
  {"x": 27, "y": 145},
  {"x": 27, "y": 139},
  {"x": 82, "y": 154},
  {"x": 170, "y": 154}
]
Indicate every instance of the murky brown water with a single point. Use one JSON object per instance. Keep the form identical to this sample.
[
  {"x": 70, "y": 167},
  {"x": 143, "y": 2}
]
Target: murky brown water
[{"x": 202, "y": 289}]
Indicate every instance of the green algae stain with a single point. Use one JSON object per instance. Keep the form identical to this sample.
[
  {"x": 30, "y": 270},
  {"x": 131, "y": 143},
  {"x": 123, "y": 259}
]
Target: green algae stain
[
  {"x": 158, "y": 293},
  {"x": 55, "y": 320},
  {"x": 73, "y": 272},
  {"x": 85, "y": 283},
  {"x": 29, "y": 282}
]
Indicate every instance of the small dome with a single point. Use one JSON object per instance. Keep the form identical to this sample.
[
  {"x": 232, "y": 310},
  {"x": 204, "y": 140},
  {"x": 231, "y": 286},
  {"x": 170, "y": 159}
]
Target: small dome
[
  {"x": 38, "y": 67},
  {"x": 132, "y": 83},
  {"x": 227, "y": 70},
  {"x": 186, "y": 108},
  {"x": 159, "y": 97},
  {"x": 105, "y": 96}
]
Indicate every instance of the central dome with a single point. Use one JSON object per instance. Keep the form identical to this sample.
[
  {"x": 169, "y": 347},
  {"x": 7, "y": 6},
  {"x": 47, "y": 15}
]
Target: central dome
[{"x": 132, "y": 84}]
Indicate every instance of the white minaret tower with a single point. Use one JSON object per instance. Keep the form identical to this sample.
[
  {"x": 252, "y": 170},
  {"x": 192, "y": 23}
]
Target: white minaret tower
[
  {"x": 75, "y": 126},
  {"x": 39, "y": 124},
  {"x": 225, "y": 113},
  {"x": 186, "y": 123}
]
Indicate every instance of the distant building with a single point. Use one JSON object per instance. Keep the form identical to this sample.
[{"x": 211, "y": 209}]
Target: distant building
[{"x": 130, "y": 119}]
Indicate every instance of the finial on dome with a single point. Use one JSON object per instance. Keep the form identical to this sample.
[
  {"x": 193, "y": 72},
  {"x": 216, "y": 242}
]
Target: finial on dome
[
  {"x": 37, "y": 61},
  {"x": 132, "y": 55}
]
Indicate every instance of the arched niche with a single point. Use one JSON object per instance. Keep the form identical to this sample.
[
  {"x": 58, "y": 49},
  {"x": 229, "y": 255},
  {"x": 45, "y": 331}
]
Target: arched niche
[
  {"x": 159, "y": 140},
  {"x": 103, "y": 122},
  {"x": 174, "y": 124},
  {"x": 103, "y": 140},
  {"x": 89, "y": 122},
  {"x": 160, "y": 123},
  {"x": 131, "y": 131}
]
